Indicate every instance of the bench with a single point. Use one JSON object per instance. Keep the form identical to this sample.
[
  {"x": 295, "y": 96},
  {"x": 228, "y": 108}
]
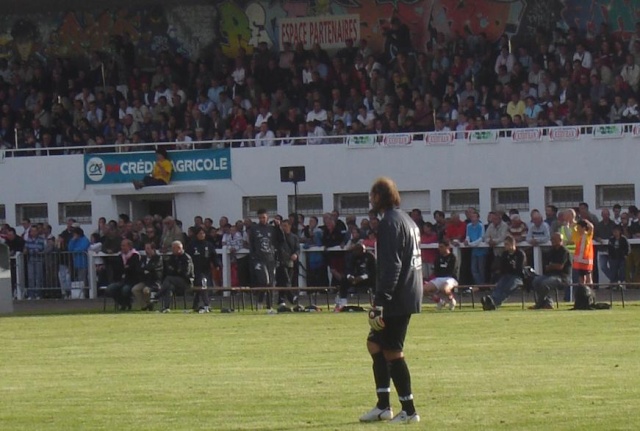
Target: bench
[{"x": 234, "y": 291}]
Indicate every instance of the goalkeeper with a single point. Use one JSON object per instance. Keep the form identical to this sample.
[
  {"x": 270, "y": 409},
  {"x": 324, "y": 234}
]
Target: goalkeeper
[{"x": 398, "y": 296}]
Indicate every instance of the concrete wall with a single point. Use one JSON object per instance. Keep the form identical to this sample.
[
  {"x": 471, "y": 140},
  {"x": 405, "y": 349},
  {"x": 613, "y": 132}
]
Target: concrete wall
[{"x": 334, "y": 169}]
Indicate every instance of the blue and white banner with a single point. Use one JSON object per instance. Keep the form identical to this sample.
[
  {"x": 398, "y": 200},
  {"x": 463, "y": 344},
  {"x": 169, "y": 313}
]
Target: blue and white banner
[{"x": 187, "y": 166}]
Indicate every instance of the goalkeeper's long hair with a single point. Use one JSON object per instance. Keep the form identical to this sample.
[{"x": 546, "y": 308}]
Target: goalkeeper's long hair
[{"x": 387, "y": 191}]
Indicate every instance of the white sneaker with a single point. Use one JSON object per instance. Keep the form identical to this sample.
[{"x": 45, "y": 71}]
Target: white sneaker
[
  {"x": 271, "y": 311},
  {"x": 452, "y": 304},
  {"x": 204, "y": 310},
  {"x": 376, "y": 414},
  {"x": 404, "y": 418},
  {"x": 440, "y": 304}
]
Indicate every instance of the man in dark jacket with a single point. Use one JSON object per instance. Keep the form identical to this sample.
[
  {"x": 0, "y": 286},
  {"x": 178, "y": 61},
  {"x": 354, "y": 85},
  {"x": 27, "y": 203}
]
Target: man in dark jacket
[
  {"x": 288, "y": 248},
  {"x": 127, "y": 272},
  {"x": 204, "y": 257},
  {"x": 151, "y": 271},
  {"x": 512, "y": 262},
  {"x": 178, "y": 275},
  {"x": 557, "y": 273},
  {"x": 360, "y": 274},
  {"x": 262, "y": 248},
  {"x": 398, "y": 295}
]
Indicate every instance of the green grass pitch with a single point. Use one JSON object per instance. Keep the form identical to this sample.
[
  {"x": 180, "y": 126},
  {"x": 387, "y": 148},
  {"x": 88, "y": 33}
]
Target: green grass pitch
[{"x": 471, "y": 370}]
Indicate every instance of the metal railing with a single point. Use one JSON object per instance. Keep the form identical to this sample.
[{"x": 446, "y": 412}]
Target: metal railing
[
  {"x": 428, "y": 138},
  {"x": 63, "y": 272},
  {"x": 62, "y": 265}
]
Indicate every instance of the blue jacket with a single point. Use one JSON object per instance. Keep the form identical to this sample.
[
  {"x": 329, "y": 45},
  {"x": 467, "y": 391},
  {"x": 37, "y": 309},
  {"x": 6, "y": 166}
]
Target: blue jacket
[
  {"x": 474, "y": 236},
  {"x": 78, "y": 246}
]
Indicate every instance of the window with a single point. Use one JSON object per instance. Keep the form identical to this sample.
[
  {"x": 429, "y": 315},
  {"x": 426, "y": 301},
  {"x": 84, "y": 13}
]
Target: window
[
  {"x": 460, "y": 200},
  {"x": 564, "y": 196},
  {"x": 80, "y": 211},
  {"x": 420, "y": 199},
  {"x": 251, "y": 205},
  {"x": 506, "y": 199},
  {"x": 3, "y": 215},
  {"x": 307, "y": 204},
  {"x": 609, "y": 195},
  {"x": 37, "y": 213},
  {"x": 352, "y": 203}
]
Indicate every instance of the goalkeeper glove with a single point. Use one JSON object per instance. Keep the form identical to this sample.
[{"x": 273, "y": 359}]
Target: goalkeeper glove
[{"x": 375, "y": 319}]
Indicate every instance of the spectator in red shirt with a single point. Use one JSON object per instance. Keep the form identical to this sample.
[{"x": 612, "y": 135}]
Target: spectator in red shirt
[{"x": 456, "y": 229}]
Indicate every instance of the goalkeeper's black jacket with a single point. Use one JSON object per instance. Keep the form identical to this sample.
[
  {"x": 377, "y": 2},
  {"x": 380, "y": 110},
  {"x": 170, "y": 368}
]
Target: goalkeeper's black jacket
[{"x": 399, "y": 269}]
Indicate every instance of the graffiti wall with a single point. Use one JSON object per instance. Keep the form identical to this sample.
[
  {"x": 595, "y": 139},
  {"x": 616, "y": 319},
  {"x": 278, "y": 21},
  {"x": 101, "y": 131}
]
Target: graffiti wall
[{"x": 234, "y": 24}]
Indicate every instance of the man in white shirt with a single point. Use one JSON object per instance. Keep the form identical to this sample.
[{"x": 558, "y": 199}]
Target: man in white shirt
[
  {"x": 317, "y": 114},
  {"x": 315, "y": 133},
  {"x": 265, "y": 137},
  {"x": 586, "y": 60},
  {"x": 263, "y": 116},
  {"x": 631, "y": 72}
]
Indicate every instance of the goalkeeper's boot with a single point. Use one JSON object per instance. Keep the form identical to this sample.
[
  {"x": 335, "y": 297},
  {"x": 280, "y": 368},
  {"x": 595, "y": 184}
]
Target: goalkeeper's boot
[{"x": 376, "y": 414}]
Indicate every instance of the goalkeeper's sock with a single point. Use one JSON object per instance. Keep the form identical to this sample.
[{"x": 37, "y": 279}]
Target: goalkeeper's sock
[
  {"x": 382, "y": 378},
  {"x": 402, "y": 381}
]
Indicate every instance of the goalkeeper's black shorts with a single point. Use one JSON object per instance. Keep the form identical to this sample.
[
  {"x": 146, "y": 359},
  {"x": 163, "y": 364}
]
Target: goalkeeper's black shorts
[{"x": 392, "y": 335}]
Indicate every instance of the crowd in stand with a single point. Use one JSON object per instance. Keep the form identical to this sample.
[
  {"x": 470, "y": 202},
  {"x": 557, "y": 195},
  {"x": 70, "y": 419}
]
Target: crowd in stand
[
  {"x": 479, "y": 263},
  {"x": 270, "y": 98}
]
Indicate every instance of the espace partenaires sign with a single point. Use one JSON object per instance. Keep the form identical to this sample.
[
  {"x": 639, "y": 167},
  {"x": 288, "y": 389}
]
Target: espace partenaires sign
[{"x": 187, "y": 166}]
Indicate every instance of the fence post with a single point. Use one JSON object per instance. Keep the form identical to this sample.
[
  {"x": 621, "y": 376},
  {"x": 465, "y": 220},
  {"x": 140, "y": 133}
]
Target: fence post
[
  {"x": 93, "y": 278},
  {"x": 226, "y": 267},
  {"x": 537, "y": 259},
  {"x": 302, "y": 269},
  {"x": 20, "y": 277}
]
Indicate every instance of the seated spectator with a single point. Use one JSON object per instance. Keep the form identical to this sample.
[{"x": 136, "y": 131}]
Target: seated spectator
[
  {"x": 265, "y": 137},
  {"x": 443, "y": 280},
  {"x": 127, "y": 272},
  {"x": 630, "y": 113},
  {"x": 557, "y": 273},
  {"x": 151, "y": 271},
  {"x": 178, "y": 275},
  {"x": 359, "y": 273},
  {"x": 315, "y": 133},
  {"x": 512, "y": 262},
  {"x": 161, "y": 174}
]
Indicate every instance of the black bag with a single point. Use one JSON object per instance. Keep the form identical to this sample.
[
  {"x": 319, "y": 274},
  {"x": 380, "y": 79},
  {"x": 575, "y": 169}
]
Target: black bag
[{"x": 586, "y": 300}]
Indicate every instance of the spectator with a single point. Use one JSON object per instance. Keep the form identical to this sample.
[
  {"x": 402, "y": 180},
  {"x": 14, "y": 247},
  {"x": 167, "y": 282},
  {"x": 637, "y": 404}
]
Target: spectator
[
  {"x": 78, "y": 246},
  {"x": 618, "y": 250},
  {"x": 474, "y": 236},
  {"x": 512, "y": 262},
  {"x": 127, "y": 272},
  {"x": 161, "y": 174},
  {"x": 178, "y": 276},
  {"x": 34, "y": 246},
  {"x": 538, "y": 232},
  {"x": 443, "y": 280},
  {"x": 151, "y": 271},
  {"x": 262, "y": 246},
  {"x": 557, "y": 273},
  {"x": 205, "y": 260}
]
